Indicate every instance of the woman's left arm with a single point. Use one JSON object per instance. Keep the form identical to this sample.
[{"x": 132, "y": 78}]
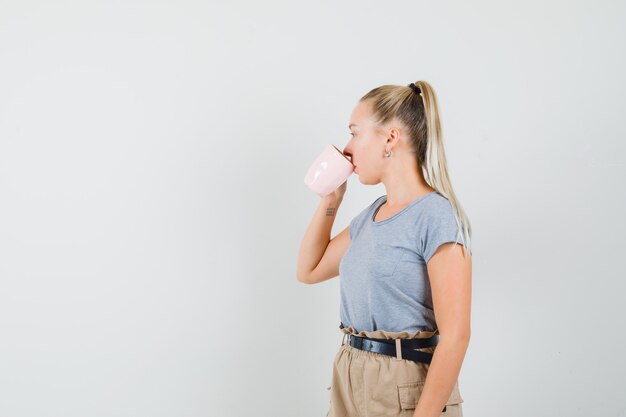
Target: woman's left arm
[{"x": 450, "y": 274}]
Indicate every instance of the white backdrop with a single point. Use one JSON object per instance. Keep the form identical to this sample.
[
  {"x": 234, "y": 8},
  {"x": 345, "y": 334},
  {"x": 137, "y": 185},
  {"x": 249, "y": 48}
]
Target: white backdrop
[{"x": 152, "y": 203}]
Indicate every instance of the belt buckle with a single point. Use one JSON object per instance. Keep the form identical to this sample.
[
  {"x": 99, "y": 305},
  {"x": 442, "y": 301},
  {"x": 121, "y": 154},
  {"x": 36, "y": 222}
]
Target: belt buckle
[{"x": 399, "y": 349}]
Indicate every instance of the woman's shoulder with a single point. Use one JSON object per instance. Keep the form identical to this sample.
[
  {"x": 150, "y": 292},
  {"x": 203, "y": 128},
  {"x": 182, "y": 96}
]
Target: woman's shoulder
[
  {"x": 436, "y": 206},
  {"x": 437, "y": 200}
]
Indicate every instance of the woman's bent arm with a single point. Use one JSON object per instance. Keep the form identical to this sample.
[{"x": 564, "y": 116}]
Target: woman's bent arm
[{"x": 317, "y": 238}]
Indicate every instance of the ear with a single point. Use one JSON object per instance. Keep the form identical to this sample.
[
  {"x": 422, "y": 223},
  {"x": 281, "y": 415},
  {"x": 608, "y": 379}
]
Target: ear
[{"x": 393, "y": 137}]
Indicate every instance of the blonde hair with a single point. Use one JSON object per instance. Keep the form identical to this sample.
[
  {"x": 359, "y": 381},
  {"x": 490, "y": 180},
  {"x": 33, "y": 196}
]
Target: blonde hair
[{"x": 420, "y": 114}]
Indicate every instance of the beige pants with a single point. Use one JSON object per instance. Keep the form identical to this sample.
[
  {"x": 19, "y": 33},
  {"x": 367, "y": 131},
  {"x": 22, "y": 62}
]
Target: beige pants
[{"x": 370, "y": 384}]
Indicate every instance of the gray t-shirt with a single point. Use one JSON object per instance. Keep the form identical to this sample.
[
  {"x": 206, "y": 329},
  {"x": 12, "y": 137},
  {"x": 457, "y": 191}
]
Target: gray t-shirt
[{"x": 384, "y": 282}]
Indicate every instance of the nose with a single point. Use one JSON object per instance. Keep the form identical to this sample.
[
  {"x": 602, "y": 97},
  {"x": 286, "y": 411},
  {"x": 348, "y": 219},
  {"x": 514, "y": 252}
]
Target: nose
[{"x": 347, "y": 151}]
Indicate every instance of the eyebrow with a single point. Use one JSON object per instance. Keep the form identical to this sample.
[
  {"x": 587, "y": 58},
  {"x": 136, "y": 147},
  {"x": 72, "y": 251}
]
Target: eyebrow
[{"x": 351, "y": 124}]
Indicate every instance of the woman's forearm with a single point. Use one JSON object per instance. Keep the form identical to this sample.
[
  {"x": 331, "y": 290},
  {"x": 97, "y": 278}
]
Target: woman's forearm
[
  {"x": 317, "y": 236},
  {"x": 442, "y": 375}
]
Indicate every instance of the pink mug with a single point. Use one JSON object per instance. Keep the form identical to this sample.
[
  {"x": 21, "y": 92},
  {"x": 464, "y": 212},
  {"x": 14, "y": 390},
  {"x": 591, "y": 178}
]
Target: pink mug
[{"x": 331, "y": 169}]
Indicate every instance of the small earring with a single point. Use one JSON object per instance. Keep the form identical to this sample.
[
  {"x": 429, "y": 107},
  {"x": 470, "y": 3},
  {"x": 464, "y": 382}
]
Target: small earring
[{"x": 387, "y": 154}]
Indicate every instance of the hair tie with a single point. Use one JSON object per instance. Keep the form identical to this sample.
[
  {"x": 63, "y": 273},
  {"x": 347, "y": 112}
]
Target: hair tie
[{"x": 415, "y": 88}]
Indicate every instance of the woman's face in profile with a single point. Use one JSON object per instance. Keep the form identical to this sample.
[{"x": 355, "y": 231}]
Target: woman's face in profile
[{"x": 366, "y": 146}]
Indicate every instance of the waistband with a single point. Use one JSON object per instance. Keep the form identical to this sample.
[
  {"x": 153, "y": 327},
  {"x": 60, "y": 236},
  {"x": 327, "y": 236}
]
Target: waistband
[{"x": 389, "y": 335}]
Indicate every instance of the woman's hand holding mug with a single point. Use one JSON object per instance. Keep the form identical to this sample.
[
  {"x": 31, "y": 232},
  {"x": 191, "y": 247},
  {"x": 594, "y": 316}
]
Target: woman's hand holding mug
[
  {"x": 328, "y": 175},
  {"x": 337, "y": 195}
]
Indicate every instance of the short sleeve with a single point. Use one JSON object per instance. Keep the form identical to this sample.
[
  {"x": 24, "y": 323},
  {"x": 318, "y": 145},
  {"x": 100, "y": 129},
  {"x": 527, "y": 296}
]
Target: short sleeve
[{"x": 440, "y": 228}]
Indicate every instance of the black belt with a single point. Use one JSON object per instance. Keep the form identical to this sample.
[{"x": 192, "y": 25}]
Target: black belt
[{"x": 388, "y": 346}]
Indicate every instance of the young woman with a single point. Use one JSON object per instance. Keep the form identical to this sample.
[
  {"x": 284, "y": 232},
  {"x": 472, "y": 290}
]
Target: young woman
[{"x": 405, "y": 263}]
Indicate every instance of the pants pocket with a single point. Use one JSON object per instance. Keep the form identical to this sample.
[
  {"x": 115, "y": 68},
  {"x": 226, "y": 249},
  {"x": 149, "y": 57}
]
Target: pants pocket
[{"x": 409, "y": 394}]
